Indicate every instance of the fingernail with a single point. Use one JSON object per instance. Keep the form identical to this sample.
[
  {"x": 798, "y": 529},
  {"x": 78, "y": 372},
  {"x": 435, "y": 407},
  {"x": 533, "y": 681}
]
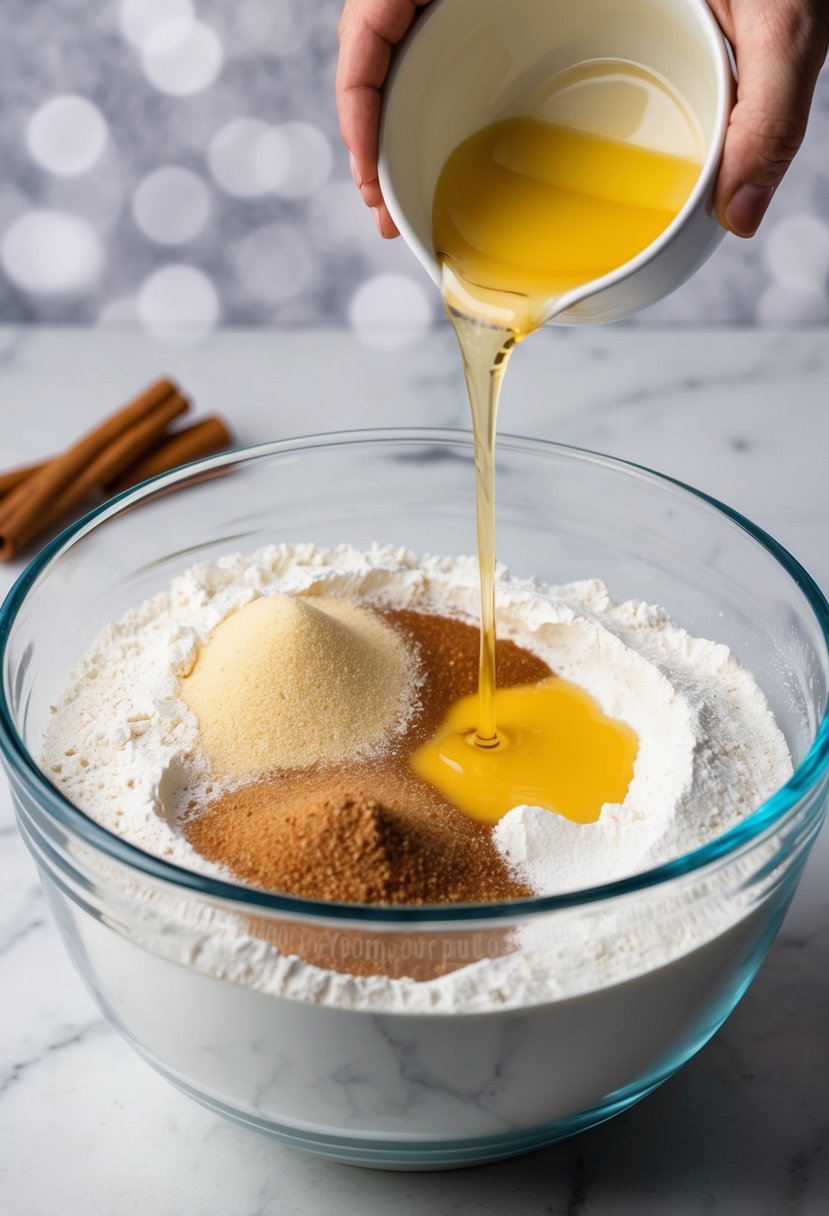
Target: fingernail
[
  {"x": 747, "y": 207},
  {"x": 355, "y": 173},
  {"x": 378, "y": 219}
]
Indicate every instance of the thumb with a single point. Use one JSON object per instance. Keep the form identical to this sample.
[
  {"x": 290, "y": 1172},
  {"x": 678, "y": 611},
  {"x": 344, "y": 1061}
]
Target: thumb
[{"x": 779, "y": 50}]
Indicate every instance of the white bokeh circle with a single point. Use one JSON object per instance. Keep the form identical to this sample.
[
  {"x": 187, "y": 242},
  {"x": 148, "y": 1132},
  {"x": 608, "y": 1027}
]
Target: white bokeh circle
[
  {"x": 273, "y": 262},
  {"x": 304, "y": 155},
  {"x": 66, "y": 135},
  {"x": 178, "y": 303},
  {"x": 171, "y": 205},
  {"x": 182, "y": 57},
  {"x": 339, "y": 220},
  {"x": 245, "y": 159},
  {"x": 141, "y": 19},
  {"x": 796, "y": 250},
  {"x": 389, "y": 311},
  {"x": 793, "y": 304},
  {"x": 278, "y": 28},
  {"x": 339, "y": 225},
  {"x": 51, "y": 252}
]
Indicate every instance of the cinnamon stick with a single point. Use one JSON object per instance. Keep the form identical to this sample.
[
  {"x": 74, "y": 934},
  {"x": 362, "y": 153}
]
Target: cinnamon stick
[
  {"x": 100, "y": 456},
  {"x": 120, "y": 454},
  {"x": 201, "y": 439},
  {"x": 14, "y": 476}
]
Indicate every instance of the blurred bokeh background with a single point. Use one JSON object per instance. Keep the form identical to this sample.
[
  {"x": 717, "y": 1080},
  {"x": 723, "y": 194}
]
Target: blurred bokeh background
[{"x": 175, "y": 164}]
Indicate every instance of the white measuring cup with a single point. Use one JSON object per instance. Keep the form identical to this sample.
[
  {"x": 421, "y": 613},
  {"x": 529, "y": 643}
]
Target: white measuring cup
[{"x": 468, "y": 63}]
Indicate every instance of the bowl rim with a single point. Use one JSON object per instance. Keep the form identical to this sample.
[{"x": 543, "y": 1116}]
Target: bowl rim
[{"x": 22, "y": 764}]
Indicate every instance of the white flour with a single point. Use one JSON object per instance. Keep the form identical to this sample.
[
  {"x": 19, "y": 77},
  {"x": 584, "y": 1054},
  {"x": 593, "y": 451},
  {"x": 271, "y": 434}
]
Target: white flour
[{"x": 123, "y": 747}]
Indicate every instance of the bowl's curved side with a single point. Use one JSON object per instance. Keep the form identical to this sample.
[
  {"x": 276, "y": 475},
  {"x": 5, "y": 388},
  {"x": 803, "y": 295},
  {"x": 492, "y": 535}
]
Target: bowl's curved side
[{"x": 450, "y": 1082}]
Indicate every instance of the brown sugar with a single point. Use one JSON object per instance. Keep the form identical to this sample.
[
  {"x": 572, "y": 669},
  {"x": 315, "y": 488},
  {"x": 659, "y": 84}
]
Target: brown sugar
[
  {"x": 448, "y": 652},
  {"x": 342, "y": 843}
]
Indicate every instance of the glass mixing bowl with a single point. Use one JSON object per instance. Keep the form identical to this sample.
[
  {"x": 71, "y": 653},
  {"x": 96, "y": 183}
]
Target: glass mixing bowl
[{"x": 448, "y": 1083}]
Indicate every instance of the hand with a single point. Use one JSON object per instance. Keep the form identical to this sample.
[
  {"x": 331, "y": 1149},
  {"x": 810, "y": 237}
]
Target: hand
[
  {"x": 368, "y": 30},
  {"x": 779, "y": 46}
]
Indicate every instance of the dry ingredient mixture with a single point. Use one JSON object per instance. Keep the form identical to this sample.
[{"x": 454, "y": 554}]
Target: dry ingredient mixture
[
  {"x": 125, "y": 747},
  {"x": 334, "y": 822}
]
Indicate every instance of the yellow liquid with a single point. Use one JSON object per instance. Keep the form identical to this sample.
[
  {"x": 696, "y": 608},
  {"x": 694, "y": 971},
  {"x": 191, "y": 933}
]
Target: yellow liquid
[
  {"x": 531, "y": 209},
  {"x": 525, "y": 211},
  {"x": 556, "y": 750}
]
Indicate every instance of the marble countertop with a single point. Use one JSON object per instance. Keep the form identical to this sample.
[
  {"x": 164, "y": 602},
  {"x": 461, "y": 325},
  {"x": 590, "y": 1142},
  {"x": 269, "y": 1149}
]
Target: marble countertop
[{"x": 87, "y": 1129}]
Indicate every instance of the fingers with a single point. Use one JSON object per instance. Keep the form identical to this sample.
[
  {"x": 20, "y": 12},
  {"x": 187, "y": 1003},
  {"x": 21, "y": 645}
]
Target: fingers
[
  {"x": 368, "y": 31},
  {"x": 780, "y": 46},
  {"x": 779, "y": 49}
]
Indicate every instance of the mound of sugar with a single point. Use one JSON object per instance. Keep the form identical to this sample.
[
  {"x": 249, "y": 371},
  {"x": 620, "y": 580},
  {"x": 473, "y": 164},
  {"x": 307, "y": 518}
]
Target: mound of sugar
[{"x": 286, "y": 682}]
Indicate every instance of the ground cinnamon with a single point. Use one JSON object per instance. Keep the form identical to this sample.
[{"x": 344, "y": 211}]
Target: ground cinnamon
[{"x": 345, "y": 845}]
